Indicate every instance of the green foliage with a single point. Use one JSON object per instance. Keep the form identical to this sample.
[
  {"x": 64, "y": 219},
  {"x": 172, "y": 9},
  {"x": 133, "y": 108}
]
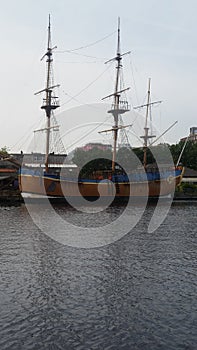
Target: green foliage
[
  {"x": 189, "y": 157},
  {"x": 129, "y": 159},
  {"x": 187, "y": 188},
  {"x": 4, "y": 150},
  {"x": 97, "y": 159},
  {"x": 134, "y": 158},
  {"x": 92, "y": 160}
]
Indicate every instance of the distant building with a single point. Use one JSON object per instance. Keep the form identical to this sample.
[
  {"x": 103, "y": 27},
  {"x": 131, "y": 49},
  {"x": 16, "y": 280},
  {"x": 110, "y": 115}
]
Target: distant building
[
  {"x": 39, "y": 158},
  {"x": 57, "y": 163},
  {"x": 91, "y": 145},
  {"x": 192, "y": 135},
  {"x": 189, "y": 176}
]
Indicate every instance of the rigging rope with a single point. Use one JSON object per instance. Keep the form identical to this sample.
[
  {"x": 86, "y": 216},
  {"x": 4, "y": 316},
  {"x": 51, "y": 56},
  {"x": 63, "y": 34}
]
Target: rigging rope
[
  {"x": 89, "y": 45},
  {"x": 88, "y": 56},
  {"x": 26, "y": 136},
  {"x": 57, "y": 144},
  {"x": 85, "y": 88},
  {"x": 88, "y": 133},
  {"x": 133, "y": 79}
]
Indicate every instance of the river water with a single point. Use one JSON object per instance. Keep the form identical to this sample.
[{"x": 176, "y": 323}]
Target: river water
[{"x": 138, "y": 293}]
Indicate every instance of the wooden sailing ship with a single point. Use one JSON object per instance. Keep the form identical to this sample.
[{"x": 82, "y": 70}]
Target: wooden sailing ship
[{"x": 137, "y": 184}]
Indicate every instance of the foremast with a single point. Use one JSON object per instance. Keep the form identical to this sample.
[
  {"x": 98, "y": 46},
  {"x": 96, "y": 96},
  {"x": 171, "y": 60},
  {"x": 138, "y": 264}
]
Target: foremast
[
  {"x": 118, "y": 106},
  {"x": 50, "y": 102}
]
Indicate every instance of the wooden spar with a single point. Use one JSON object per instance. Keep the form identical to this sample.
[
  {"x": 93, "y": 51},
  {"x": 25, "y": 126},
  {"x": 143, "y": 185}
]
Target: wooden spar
[
  {"x": 180, "y": 156},
  {"x": 163, "y": 133},
  {"x": 50, "y": 102},
  {"x": 119, "y": 128},
  {"x": 145, "y": 105}
]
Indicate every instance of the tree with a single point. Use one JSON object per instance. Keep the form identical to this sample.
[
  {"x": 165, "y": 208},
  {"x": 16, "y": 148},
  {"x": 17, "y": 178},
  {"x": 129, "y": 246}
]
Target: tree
[
  {"x": 189, "y": 156},
  {"x": 92, "y": 160},
  {"x": 130, "y": 159},
  {"x": 4, "y": 150}
]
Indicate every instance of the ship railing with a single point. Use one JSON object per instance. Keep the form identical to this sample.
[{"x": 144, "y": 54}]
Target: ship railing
[{"x": 123, "y": 105}]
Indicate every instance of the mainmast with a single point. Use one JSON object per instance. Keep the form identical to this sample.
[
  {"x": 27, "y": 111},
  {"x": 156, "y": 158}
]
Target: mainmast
[
  {"x": 118, "y": 106},
  {"x": 50, "y": 102}
]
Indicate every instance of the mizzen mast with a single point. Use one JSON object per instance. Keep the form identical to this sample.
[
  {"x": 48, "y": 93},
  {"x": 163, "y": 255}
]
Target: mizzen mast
[
  {"x": 146, "y": 135},
  {"x": 50, "y": 102},
  {"x": 118, "y": 106}
]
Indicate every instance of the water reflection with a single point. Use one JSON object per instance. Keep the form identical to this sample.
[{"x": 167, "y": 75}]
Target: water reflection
[{"x": 138, "y": 293}]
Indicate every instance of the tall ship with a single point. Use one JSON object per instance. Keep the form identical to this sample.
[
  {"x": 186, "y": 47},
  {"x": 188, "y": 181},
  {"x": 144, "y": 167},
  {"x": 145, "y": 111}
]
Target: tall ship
[{"x": 147, "y": 180}]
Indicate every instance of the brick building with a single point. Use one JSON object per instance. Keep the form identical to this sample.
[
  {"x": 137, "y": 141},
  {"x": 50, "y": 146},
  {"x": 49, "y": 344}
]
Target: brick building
[{"x": 192, "y": 135}]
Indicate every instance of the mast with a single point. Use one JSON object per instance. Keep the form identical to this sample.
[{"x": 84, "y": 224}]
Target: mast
[
  {"x": 146, "y": 135},
  {"x": 50, "y": 102},
  {"x": 116, "y": 99},
  {"x": 118, "y": 106},
  {"x": 146, "y": 128}
]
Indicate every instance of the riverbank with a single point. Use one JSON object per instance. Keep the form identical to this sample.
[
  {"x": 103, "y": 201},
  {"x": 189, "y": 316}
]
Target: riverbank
[{"x": 10, "y": 196}]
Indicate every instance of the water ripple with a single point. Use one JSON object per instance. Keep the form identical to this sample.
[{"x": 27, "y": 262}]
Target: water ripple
[{"x": 138, "y": 293}]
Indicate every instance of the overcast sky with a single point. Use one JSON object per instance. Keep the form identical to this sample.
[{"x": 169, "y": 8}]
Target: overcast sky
[{"x": 162, "y": 38}]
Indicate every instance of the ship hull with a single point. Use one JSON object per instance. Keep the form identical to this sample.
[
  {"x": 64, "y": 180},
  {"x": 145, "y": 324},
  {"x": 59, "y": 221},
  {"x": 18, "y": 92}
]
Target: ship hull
[{"x": 53, "y": 187}]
